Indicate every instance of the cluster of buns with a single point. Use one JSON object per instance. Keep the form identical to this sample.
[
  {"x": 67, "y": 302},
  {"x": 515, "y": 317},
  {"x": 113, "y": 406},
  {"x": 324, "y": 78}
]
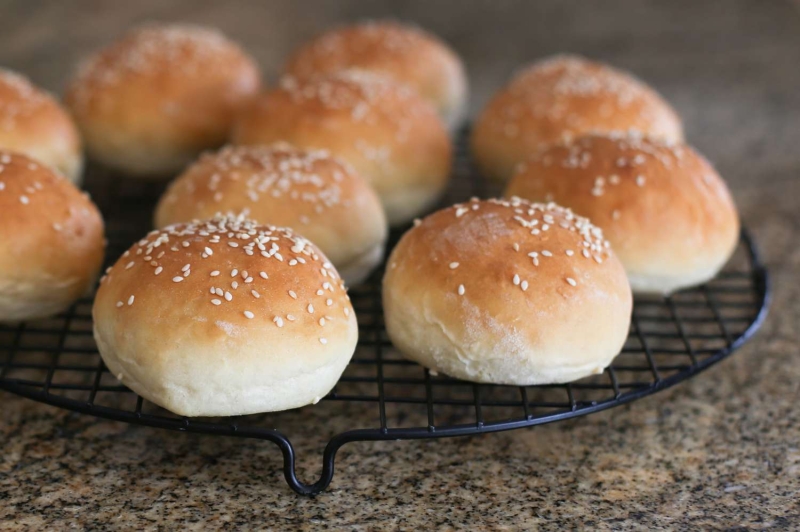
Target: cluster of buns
[{"x": 225, "y": 309}]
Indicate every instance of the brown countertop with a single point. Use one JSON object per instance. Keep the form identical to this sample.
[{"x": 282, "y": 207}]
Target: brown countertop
[{"x": 718, "y": 451}]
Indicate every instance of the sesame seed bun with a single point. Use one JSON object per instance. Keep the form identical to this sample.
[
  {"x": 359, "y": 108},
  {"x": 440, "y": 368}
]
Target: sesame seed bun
[
  {"x": 225, "y": 317},
  {"x": 405, "y": 53},
  {"x": 51, "y": 240},
  {"x": 150, "y": 102},
  {"x": 319, "y": 196},
  {"x": 386, "y": 131},
  {"x": 32, "y": 122},
  {"x": 500, "y": 292},
  {"x": 667, "y": 213},
  {"x": 563, "y": 97}
]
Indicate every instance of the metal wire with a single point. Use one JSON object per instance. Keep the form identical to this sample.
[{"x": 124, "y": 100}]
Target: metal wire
[{"x": 55, "y": 361}]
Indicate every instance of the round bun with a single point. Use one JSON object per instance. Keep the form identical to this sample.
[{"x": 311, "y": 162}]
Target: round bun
[
  {"x": 405, "y": 53},
  {"x": 33, "y": 123},
  {"x": 507, "y": 292},
  {"x": 150, "y": 102},
  {"x": 392, "y": 137},
  {"x": 315, "y": 194},
  {"x": 51, "y": 240},
  {"x": 667, "y": 213},
  {"x": 561, "y": 98},
  {"x": 225, "y": 317}
]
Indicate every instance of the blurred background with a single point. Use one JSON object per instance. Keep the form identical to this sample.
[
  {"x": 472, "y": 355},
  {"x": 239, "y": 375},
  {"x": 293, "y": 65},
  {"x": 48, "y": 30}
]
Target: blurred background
[{"x": 730, "y": 67}]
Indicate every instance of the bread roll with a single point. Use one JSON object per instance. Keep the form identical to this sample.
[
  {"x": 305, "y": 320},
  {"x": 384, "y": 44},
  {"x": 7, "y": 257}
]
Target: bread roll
[
  {"x": 665, "y": 210},
  {"x": 317, "y": 195},
  {"x": 563, "y": 97},
  {"x": 33, "y": 123},
  {"x": 225, "y": 317},
  {"x": 405, "y": 53},
  {"x": 150, "y": 102},
  {"x": 392, "y": 137},
  {"x": 51, "y": 240},
  {"x": 507, "y": 292}
]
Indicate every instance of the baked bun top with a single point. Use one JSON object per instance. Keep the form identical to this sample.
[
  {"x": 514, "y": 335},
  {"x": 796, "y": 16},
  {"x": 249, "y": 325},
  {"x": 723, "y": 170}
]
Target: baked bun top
[
  {"x": 32, "y": 122},
  {"x": 663, "y": 207},
  {"x": 229, "y": 277},
  {"x": 563, "y": 97},
  {"x": 170, "y": 88},
  {"x": 318, "y": 195},
  {"x": 50, "y": 229},
  {"x": 403, "y": 52},
  {"x": 506, "y": 287}
]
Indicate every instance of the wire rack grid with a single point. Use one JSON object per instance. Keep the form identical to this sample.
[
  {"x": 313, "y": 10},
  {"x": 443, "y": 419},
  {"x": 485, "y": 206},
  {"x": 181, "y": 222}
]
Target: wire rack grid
[{"x": 672, "y": 338}]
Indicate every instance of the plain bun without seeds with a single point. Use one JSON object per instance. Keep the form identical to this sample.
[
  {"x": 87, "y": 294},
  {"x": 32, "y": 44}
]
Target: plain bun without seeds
[
  {"x": 317, "y": 195},
  {"x": 225, "y": 317},
  {"x": 561, "y": 98},
  {"x": 150, "y": 102},
  {"x": 668, "y": 214},
  {"x": 507, "y": 292},
  {"x": 51, "y": 240}
]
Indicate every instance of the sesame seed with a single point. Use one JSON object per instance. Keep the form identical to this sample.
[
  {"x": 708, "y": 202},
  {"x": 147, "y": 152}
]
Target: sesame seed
[
  {"x": 453, "y": 265},
  {"x": 640, "y": 180},
  {"x": 185, "y": 244},
  {"x": 323, "y": 341},
  {"x": 615, "y": 214},
  {"x": 228, "y": 296},
  {"x": 329, "y": 302},
  {"x": 533, "y": 254},
  {"x": 249, "y": 315},
  {"x": 516, "y": 279},
  {"x": 292, "y": 294},
  {"x": 248, "y": 280},
  {"x": 347, "y": 312},
  {"x": 119, "y": 304},
  {"x": 234, "y": 272},
  {"x": 585, "y": 253},
  {"x": 546, "y": 253},
  {"x": 209, "y": 251},
  {"x": 278, "y": 321},
  {"x": 320, "y": 292},
  {"x": 292, "y": 262},
  {"x": 417, "y": 221},
  {"x": 461, "y": 290},
  {"x": 263, "y": 275},
  {"x": 524, "y": 285},
  {"x": 515, "y": 246},
  {"x": 214, "y": 273},
  {"x": 130, "y": 301},
  {"x": 233, "y": 244},
  {"x": 255, "y": 294},
  {"x": 24, "y": 200},
  {"x": 186, "y": 267},
  {"x": 571, "y": 281},
  {"x": 129, "y": 265},
  {"x": 322, "y": 322},
  {"x": 216, "y": 302},
  {"x": 310, "y": 308},
  {"x": 569, "y": 252},
  {"x": 290, "y": 317},
  {"x": 219, "y": 292},
  {"x": 158, "y": 270},
  {"x": 598, "y": 260}
]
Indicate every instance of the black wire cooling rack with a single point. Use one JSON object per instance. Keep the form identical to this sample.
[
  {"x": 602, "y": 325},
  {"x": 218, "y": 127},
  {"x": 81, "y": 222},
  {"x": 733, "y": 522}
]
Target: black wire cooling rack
[{"x": 55, "y": 361}]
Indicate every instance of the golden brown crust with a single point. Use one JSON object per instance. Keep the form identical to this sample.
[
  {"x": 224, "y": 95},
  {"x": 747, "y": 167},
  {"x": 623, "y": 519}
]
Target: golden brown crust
[
  {"x": 667, "y": 213},
  {"x": 502, "y": 291},
  {"x": 405, "y": 53},
  {"x": 154, "y": 99},
  {"x": 563, "y": 97},
  {"x": 51, "y": 240},
  {"x": 32, "y": 122},
  {"x": 278, "y": 316},
  {"x": 312, "y": 192},
  {"x": 384, "y": 130}
]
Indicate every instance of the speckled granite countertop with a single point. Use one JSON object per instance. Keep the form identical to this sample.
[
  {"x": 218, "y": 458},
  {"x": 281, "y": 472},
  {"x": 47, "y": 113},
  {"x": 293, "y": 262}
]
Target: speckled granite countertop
[{"x": 720, "y": 451}]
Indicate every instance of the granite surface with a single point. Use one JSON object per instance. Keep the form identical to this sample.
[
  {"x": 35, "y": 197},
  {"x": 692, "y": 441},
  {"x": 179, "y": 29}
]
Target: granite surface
[{"x": 718, "y": 452}]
